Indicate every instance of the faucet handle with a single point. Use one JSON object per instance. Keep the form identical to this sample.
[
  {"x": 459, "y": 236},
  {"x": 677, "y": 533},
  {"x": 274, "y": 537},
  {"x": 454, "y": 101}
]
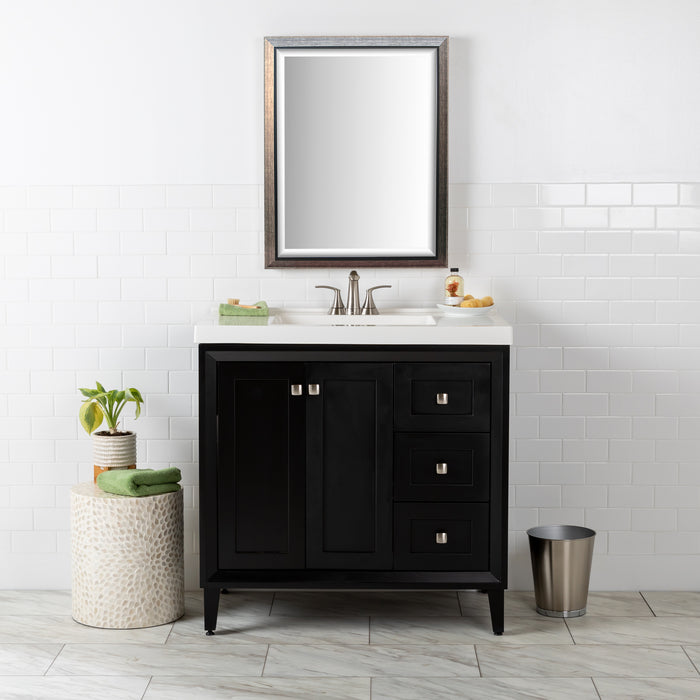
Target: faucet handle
[
  {"x": 337, "y": 306},
  {"x": 369, "y": 308}
]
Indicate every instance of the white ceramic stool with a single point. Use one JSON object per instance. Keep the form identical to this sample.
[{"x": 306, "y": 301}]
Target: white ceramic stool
[{"x": 127, "y": 558}]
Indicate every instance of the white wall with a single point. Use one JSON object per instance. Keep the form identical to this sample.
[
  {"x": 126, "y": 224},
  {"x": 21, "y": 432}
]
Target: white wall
[
  {"x": 130, "y": 201},
  {"x": 151, "y": 91}
]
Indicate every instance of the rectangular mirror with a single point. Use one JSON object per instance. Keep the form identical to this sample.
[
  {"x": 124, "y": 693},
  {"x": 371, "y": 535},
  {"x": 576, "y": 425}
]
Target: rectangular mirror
[{"x": 355, "y": 151}]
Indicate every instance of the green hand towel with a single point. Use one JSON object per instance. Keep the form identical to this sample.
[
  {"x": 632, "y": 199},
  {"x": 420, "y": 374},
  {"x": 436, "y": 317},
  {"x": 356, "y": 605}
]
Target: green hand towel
[
  {"x": 140, "y": 482},
  {"x": 229, "y": 310}
]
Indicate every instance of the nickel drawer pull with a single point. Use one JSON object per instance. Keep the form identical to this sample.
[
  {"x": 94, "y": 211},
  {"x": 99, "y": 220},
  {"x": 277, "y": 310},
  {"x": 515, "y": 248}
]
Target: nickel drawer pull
[
  {"x": 442, "y": 399},
  {"x": 441, "y": 537},
  {"x": 297, "y": 389},
  {"x": 441, "y": 468},
  {"x": 314, "y": 390}
]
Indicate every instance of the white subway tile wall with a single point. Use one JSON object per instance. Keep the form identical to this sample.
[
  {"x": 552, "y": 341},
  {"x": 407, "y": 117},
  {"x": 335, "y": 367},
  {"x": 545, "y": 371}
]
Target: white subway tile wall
[{"x": 601, "y": 281}]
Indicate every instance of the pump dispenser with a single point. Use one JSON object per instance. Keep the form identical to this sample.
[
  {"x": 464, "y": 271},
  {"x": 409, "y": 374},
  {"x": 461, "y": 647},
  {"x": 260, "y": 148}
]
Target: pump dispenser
[{"x": 454, "y": 287}]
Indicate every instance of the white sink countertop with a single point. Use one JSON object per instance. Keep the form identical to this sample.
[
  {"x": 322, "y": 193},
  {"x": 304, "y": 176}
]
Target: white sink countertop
[{"x": 409, "y": 326}]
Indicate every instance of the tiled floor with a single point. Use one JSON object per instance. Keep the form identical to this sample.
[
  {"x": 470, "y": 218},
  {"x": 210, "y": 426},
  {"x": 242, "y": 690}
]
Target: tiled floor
[{"x": 358, "y": 646}]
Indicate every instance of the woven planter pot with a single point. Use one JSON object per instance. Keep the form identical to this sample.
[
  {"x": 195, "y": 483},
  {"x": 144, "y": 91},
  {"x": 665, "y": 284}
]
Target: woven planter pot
[{"x": 113, "y": 451}]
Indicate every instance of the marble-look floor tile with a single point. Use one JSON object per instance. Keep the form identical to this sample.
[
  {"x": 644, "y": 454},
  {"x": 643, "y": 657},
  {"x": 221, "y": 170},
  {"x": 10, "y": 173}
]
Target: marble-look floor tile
[
  {"x": 694, "y": 654},
  {"x": 476, "y": 604},
  {"x": 481, "y": 688},
  {"x": 326, "y": 603},
  {"x": 27, "y": 659},
  {"x": 522, "y": 603},
  {"x": 648, "y": 688},
  {"x": 73, "y": 687},
  {"x": 364, "y": 660},
  {"x": 35, "y": 602},
  {"x": 159, "y": 660},
  {"x": 167, "y": 688},
  {"x": 617, "y": 604},
  {"x": 253, "y": 603},
  {"x": 635, "y": 630},
  {"x": 462, "y": 630},
  {"x": 673, "y": 602},
  {"x": 62, "y": 629},
  {"x": 576, "y": 661},
  {"x": 275, "y": 629}
]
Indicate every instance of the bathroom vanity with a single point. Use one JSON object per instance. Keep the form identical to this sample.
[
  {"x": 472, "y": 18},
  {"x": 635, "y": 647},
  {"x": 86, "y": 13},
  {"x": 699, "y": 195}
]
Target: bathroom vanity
[{"x": 354, "y": 453}]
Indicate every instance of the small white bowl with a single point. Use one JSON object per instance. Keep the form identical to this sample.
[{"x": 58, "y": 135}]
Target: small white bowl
[{"x": 465, "y": 311}]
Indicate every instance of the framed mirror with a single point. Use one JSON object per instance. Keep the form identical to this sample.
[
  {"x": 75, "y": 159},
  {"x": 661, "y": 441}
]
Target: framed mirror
[{"x": 356, "y": 151}]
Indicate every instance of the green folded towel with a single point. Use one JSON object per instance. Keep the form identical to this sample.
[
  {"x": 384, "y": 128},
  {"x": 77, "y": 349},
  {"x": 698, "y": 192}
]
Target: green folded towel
[
  {"x": 229, "y": 310},
  {"x": 140, "y": 482}
]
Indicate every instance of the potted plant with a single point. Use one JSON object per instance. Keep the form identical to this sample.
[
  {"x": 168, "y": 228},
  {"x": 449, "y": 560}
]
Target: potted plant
[{"x": 112, "y": 448}]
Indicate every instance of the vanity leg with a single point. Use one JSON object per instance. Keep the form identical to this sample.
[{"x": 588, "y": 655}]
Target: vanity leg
[
  {"x": 496, "y": 607},
  {"x": 211, "y": 609}
]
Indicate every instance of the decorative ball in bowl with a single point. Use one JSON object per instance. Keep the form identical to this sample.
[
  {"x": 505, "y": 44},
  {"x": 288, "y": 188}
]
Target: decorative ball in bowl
[{"x": 469, "y": 306}]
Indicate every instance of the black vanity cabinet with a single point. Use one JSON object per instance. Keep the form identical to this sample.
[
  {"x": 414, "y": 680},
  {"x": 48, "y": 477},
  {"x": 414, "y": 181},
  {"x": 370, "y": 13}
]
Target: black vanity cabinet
[{"x": 353, "y": 467}]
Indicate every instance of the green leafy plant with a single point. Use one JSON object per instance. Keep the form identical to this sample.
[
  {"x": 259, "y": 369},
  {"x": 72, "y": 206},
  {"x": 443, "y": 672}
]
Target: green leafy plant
[{"x": 101, "y": 404}]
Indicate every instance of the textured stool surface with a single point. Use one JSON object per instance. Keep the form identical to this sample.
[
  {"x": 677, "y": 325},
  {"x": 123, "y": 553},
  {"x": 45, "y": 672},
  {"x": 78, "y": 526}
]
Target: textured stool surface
[{"x": 127, "y": 558}]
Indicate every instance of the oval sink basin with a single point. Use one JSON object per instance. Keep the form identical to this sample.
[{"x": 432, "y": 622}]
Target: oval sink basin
[{"x": 294, "y": 318}]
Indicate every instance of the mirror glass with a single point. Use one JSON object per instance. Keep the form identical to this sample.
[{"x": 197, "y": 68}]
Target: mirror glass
[{"x": 355, "y": 143}]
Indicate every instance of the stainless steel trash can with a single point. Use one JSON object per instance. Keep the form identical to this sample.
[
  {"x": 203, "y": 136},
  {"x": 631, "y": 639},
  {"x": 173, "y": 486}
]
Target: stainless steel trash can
[{"x": 561, "y": 568}]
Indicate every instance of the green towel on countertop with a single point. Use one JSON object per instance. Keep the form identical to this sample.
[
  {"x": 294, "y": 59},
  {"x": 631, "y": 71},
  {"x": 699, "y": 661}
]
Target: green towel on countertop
[
  {"x": 229, "y": 310},
  {"x": 140, "y": 482}
]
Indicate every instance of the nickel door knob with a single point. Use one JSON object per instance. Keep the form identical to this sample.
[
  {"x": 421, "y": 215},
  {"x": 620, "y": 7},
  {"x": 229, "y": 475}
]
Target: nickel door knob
[
  {"x": 441, "y": 537},
  {"x": 441, "y": 468},
  {"x": 442, "y": 399},
  {"x": 314, "y": 390},
  {"x": 297, "y": 389}
]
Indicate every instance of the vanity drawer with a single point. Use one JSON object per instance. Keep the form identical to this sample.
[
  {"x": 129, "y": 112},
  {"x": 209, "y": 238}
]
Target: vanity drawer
[
  {"x": 441, "y": 536},
  {"x": 442, "y": 467},
  {"x": 450, "y": 396}
]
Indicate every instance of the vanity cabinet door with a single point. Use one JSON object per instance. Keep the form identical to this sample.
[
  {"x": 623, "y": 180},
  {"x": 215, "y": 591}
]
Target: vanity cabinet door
[
  {"x": 349, "y": 465},
  {"x": 260, "y": 466}
]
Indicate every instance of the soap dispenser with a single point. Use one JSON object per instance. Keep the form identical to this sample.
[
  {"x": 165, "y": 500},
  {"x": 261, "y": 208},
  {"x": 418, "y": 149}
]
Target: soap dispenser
[{"x": 454, "y": 287}]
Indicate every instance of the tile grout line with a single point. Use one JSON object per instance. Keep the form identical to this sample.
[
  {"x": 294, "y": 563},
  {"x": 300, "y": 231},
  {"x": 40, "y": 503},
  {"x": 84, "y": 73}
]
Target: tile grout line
[
  {"x": 689, "y": 659},
  {"x": 267, "y": 651},
  {"x": 272, "y": 603},
  {"x": 568, "y": 629},
  {"x": 148, "y": 685},
  {"x": 647, "y": 602},
  {"x": 459, "y": 604},
  {"x": 63, "y": 646},
  {"x": 478, "y": 665},
  {"x": 595, "y": 687}
]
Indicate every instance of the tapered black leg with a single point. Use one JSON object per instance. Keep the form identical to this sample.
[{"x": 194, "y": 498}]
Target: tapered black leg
[
  {"x": 496, "y": 607},
  {"x": 211, "y": 608}
]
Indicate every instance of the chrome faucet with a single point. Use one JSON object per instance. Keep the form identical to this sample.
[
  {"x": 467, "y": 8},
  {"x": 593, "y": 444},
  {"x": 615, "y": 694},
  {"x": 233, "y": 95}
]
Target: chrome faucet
[
  {"x": 353, "y": 293},
  {"x": 368, "y": 308}
]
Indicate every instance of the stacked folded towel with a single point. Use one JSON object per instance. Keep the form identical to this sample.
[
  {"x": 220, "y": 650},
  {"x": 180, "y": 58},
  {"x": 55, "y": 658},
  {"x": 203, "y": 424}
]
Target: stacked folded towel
[
  {"x": 140, "y": 482},
  {"x": 257, "y": 309}
]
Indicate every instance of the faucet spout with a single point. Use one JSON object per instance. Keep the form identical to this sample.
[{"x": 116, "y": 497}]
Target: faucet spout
[{"x": 353, "y": 293}]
